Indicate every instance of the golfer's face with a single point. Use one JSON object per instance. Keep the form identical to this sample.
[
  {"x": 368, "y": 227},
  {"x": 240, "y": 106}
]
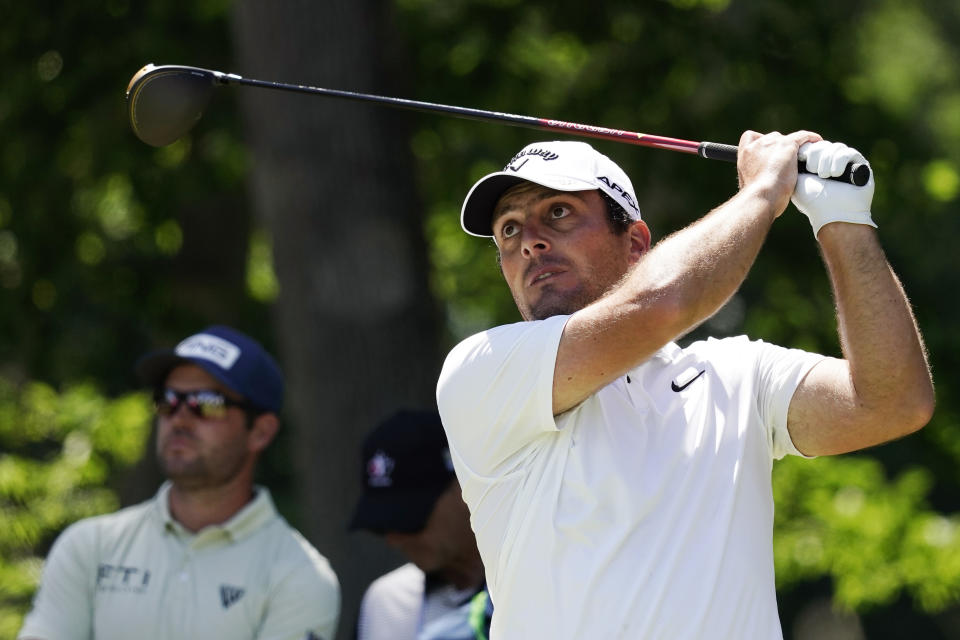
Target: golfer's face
[{"x": 558, "y": 252}]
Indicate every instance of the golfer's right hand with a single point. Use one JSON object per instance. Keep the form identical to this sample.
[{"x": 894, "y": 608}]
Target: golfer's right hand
[{"x": 767, "y": 163}]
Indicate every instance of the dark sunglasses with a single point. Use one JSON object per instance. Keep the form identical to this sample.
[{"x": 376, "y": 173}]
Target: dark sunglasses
[{"x": 203, "y": 403}]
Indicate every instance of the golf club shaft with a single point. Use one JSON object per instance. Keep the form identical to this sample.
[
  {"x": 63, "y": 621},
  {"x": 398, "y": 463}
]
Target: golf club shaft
[
  {"x": 853, "y": 174},
  {"x": 167, "y": 113},
  {"x": 542, "y": 124}
]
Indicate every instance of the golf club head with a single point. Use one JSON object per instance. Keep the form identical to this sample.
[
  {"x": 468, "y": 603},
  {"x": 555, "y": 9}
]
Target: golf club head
[{"x": 165, "y": 102}]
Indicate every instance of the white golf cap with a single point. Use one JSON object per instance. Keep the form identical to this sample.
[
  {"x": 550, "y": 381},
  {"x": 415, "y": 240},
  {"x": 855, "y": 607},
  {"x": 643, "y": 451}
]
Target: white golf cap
[{"x": 560, "y": 165}]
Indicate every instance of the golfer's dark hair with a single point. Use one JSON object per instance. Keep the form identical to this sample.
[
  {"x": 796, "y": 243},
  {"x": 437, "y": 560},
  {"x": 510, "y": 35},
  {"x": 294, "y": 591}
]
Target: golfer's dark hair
[{"x": 618, "y": 217}]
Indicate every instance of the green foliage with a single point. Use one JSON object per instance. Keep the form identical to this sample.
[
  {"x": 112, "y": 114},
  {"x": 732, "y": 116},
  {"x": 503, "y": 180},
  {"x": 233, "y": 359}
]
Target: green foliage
[
  {"x": 58, "y": 452},
  {"x": 91, "y": 224},
  {"x": 261, "y": 280},
  {"x": 888, "y": 75},
  {"x": 875, "y": 538}
]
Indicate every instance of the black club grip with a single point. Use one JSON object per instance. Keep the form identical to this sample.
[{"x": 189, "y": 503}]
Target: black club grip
[{"x": 856, "y": 173}]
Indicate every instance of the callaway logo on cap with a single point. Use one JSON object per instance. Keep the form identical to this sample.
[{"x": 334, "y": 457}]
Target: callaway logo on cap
[{"x": 560, "y": 165}]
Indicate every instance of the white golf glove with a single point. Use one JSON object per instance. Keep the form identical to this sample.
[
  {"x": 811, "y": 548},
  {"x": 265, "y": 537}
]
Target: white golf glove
[{"x": 825, "y": 201}]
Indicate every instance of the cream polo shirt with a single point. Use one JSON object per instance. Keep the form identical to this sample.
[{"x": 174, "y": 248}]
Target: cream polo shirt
[
  {"x": 646, "y": 512},
  {"x": 137, "y": 573}
]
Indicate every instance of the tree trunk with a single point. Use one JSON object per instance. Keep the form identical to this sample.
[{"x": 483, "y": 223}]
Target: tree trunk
[{"x": 356, "y": 327}]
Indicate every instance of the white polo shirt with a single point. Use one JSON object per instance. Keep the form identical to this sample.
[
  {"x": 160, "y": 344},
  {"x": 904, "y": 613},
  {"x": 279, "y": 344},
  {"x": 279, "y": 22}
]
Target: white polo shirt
[
  {"x": 644, "y": 512},
  {"x": 138, "y": 573}
]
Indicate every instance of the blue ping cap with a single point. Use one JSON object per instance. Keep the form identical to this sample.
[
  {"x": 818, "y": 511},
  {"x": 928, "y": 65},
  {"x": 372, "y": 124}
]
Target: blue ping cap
[{"x": 235, "y": 359}]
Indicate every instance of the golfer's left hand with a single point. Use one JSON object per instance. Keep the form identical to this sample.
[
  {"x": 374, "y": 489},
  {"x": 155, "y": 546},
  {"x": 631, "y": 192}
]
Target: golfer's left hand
[{"x": 825, "y": 201}]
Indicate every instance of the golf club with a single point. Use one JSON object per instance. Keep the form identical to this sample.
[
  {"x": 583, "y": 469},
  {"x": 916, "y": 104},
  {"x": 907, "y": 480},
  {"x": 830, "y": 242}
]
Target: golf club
[{"x": 166, "y": 101}]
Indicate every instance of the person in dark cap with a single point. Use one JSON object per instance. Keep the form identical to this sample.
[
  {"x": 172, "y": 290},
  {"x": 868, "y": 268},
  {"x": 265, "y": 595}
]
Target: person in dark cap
[
  {"x": 411, "y": 499},
  {"x": 208, "y": 556}
]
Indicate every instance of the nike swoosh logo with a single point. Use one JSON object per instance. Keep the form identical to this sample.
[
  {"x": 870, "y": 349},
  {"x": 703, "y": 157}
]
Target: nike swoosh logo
[{"x": 679, "y": 388}]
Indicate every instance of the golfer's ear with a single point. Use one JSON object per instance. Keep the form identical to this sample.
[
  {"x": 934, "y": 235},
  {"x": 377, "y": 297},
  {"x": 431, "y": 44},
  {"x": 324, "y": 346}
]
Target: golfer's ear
[
  {"x": 639, "y": 239},
  {"x": 263, "y": 431}
]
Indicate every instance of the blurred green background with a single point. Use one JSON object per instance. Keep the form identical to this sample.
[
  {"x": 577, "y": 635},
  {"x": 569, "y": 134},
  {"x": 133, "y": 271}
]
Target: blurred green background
[{"x": 331, "y": 232}]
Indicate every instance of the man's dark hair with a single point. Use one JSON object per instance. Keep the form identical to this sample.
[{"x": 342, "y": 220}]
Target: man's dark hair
[{"x": 618, "y": 217}]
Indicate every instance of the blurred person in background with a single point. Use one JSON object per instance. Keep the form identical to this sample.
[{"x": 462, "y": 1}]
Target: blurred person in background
[
  {"x": 209, "y": 556},
  {"x": 412, "y": 500}
]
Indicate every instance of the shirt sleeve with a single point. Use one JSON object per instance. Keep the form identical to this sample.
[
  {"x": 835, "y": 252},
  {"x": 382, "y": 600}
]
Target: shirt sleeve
[
  {"x": 495, "y": 392},
  {"x": 391, "y": 605},
  {"x": 778, "y": 373},
  {"x": 63, "y": 606},
  {"x": 305, "y": 603}
]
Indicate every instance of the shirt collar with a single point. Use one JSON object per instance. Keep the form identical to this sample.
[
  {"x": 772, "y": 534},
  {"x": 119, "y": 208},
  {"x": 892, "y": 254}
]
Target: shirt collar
[
  {"x": 254, "y": 515},
  {"x": 668, "y": 352}
]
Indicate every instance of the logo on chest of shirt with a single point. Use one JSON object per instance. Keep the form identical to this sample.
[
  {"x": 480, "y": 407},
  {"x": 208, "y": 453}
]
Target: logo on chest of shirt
[
  {"x": 116, "y": 577},
  {"x": 229, "y": 595},
  {"x": 683, "y": 385}
]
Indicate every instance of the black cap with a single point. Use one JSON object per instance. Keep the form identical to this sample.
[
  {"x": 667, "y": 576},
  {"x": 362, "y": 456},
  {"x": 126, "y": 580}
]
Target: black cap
[{"x": 405, "y": 467}]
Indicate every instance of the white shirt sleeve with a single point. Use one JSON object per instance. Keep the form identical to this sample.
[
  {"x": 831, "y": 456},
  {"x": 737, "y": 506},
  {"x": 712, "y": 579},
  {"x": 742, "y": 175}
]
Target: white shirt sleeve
[
  {"x": 778, "y": 373},
  {"x": 495, "y": 392},
  {"x": 63, "y": 606},
  {"x": 391, "y": 605}
]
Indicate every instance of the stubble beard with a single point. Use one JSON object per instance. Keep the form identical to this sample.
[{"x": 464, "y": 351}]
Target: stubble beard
[
  {"x": 199, "y": 471},
  {"x": 552, "y": 303}
]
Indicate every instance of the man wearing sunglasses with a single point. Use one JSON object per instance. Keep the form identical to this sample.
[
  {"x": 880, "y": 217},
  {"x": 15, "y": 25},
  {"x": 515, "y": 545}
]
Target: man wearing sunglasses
[{"x": 209, "y": 556}]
